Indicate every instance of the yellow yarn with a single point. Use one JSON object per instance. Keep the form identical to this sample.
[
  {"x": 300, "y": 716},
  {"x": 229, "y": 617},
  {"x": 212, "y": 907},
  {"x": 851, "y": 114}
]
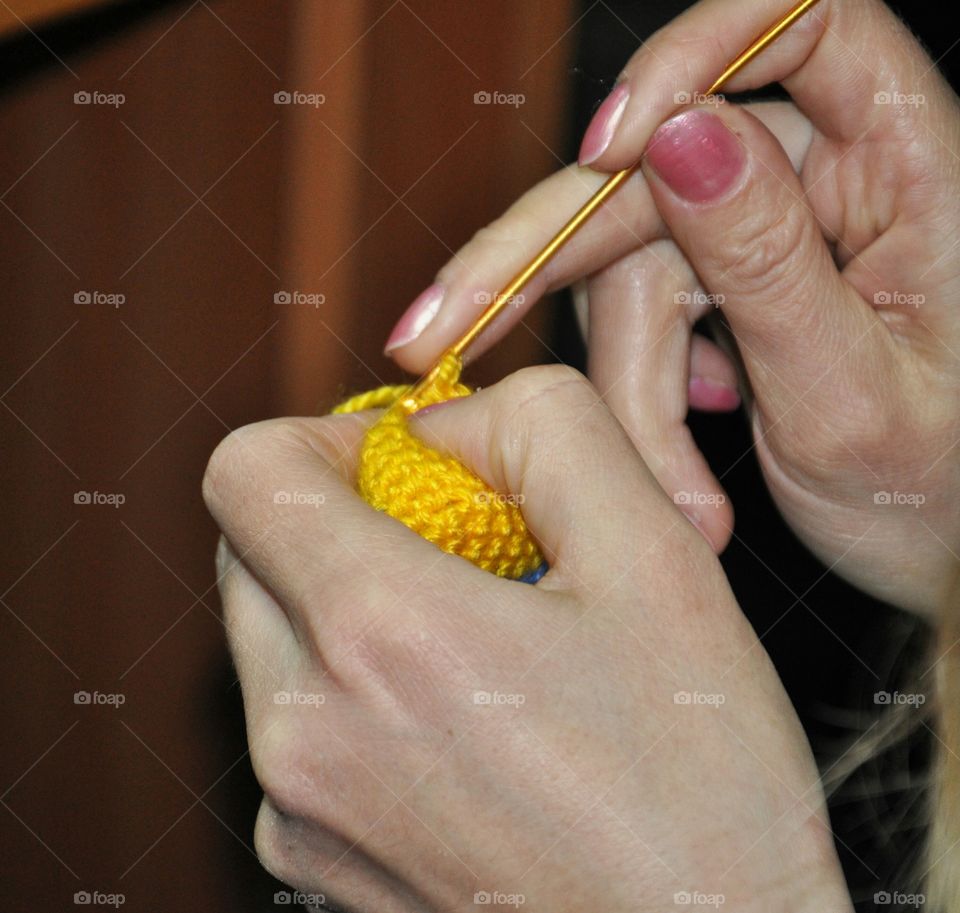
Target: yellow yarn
[{"x": 436, "y": 495}]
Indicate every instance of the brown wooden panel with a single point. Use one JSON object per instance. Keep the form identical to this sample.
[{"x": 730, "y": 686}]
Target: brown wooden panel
[
  {"x": 17, "y": 15},
  {"x": 130, "y": 399}
]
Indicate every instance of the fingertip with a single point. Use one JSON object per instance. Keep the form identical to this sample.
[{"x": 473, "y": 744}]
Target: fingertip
[{"x": 708, "y": 395}]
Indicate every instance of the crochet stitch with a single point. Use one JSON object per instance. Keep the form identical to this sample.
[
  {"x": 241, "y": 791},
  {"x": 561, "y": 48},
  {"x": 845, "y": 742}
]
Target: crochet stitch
[{"x": 434, "y": 494}]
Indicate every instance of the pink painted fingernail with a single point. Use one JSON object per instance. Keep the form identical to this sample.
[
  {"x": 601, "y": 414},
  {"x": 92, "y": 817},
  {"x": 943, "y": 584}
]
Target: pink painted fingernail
[
  {"x": 604, "y": 124},
  {"x": 415, "y": 318},
  {"x": 696, "y": 156},
  {"x": 710, "y": 395}
]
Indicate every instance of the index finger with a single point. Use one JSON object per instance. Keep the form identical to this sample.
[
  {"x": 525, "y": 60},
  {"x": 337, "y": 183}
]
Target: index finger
[
  {"x": 627, "y": 221},
  {"x": 833, "y": 61}
]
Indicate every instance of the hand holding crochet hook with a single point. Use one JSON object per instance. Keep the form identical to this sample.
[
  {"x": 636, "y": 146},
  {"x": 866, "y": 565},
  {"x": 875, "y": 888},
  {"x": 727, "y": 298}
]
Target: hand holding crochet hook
[
  {"x": 615, "y": 737},
  {"x": 819, "y": 226}
]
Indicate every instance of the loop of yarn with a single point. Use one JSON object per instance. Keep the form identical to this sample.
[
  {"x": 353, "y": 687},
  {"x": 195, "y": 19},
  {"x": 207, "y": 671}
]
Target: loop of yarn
[{"x": 434, "y": 494}]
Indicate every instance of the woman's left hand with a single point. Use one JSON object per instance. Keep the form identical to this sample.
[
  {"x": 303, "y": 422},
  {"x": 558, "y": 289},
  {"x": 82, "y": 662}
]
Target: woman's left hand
[{"x": 432, "y": 738}]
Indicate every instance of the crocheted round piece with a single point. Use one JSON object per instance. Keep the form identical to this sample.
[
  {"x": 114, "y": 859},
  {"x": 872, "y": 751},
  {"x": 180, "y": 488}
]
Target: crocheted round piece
[{"x": 436, "y": 495}]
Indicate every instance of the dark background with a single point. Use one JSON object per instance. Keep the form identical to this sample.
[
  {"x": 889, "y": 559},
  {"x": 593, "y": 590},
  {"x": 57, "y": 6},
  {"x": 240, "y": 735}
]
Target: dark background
[{"x": 157, "y": 799}]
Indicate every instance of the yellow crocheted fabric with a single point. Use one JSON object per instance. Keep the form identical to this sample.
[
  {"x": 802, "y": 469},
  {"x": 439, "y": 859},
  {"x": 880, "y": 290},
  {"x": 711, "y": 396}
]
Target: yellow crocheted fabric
[{"x": 434, "y": 494}]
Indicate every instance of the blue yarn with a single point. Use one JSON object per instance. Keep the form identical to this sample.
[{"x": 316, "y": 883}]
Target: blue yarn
[{"x": 534, "y": 575}]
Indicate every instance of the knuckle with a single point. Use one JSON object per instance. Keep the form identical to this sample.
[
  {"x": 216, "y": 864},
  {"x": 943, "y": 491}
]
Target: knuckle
[
  {"x": 508, "y": 229},
  {"x": 405, "y": 666},
  {"x": 528, "y": 386},
  {"x": 244, "y": 453},
  {"x": 512, "y": 229},
  {"x": 282, "y": 768},
  {"x": 270, "y": 841},
  {"x": 760, "y": 257},
  {"x": 222, "y": 469}
]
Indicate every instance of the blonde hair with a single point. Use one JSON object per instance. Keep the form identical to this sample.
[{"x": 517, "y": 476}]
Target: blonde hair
[
  {"x": 942, "y": 857},
  {"x": 936, "y": 870}
]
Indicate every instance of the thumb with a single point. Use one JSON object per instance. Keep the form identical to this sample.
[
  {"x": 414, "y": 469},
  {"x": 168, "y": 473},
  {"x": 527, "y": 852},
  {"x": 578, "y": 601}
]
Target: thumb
[
  {"x": 544, "y": 437},
  {"x": 734, "y": 204}
]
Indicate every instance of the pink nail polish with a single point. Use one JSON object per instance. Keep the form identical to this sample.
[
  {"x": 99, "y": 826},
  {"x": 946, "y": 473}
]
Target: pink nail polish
[
  {"x": 604, "y": 124},
  {"x": 415, "y": 318},
  {"x": 710, "y": 396},
  {"x": 696, "y": 156}
]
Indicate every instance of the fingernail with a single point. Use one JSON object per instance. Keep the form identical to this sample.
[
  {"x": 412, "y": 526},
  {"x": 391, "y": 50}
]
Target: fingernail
[
  {"x": 604, "y": 124},
  {"x": 223, "y": 556},
  {"x": 431, "y": 408},
  {"x": 712, "y": 396},
  {"x": 696, "y": 156},
  {"x": 415, "y": 318}
]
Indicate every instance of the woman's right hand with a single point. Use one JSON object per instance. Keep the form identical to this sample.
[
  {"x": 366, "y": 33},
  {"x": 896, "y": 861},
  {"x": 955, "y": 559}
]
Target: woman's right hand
[{"x": 832, "y": 243}]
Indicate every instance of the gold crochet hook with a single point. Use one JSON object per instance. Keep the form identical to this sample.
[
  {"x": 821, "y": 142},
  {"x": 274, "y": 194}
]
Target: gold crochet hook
[{"x": 410, "y": 403}]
